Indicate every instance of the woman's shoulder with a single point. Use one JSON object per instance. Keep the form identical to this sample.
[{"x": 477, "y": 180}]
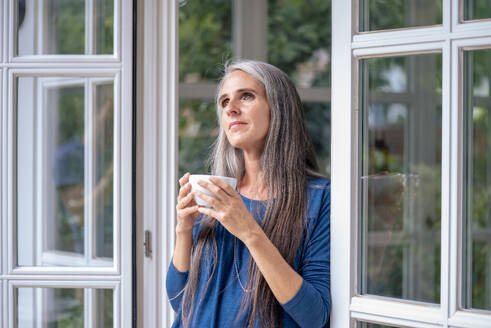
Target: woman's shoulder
[{"x": 319, "y": 184}]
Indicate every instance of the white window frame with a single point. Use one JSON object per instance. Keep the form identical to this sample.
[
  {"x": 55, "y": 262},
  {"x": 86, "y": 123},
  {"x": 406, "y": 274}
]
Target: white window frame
[
  {"x": 117, "y": 67},
  {"x": 348, "y": 48},
  {"x": 88, "y": 55}
]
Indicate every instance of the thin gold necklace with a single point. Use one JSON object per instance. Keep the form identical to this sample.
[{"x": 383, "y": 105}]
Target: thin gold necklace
[{"x": 246, "y": 290}]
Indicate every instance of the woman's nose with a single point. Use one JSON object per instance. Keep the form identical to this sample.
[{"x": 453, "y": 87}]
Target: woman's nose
[{"x": 232, "y": 108}]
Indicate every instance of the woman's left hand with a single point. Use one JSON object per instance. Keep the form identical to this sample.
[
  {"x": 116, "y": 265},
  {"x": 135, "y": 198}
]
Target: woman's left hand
[{"x": 228, "y": 208}]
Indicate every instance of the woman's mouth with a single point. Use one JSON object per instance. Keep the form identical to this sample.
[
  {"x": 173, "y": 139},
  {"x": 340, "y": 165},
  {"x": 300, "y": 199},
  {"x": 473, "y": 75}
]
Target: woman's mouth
[{"x": 236, "y": 124}]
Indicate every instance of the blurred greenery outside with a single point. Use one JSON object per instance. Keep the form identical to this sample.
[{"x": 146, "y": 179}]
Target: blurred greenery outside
[
  {"x": 477, "y": 9},
  {"x": 65, "y": 26},
  {"x": 401, "y": 199},
  {"x": 399, "y": 14},
  {"x": 298, "y": 37}
]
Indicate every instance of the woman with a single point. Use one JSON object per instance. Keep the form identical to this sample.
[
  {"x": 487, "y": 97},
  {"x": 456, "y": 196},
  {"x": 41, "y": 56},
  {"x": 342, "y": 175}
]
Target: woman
[{"x": 259, "y": 257}]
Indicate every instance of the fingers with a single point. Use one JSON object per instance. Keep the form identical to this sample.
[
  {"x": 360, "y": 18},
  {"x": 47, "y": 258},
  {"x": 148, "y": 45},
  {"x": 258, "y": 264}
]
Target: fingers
[
  {"x": 184, "y": 201},
  {"x": 188, "y": 211},
  {"x": 184, "y": 179},
  {"x": 223, "y": 185},
  {"x": 207, "y": 198},
  {"x": 208, "y": 211},
  {"x": 184, "y": 191},
  {"x": 214, "y": 189}
]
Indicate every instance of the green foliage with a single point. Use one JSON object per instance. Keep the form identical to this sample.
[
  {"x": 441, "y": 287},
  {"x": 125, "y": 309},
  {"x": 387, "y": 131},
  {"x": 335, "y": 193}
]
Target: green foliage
[
  {"x": 477, "y": 9},
  {"x": 68, "y": 21},
  {"x": 205, "y": 38},
  {"x": 399, "y": 14},
  {"x": 70, "y": 112},
  {"x": 296, "y": 30},
  {"x": 71, "y": 300}
]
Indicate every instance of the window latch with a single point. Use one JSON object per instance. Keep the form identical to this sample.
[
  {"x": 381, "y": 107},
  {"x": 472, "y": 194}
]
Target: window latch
[{"x": 147, "y": 243}]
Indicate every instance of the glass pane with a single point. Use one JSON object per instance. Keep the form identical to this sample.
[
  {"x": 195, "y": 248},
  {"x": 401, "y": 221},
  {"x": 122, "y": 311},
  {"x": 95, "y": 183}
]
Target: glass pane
[
  {"x": 198, "y": 128},
  {"x": 299, "y": 40},
  {"x": 104, "y": 167},
  {"x": 61, "y": 307},
  {"x": 393, "y": 14},
  {"x": 49, "y": 307},
  {"x": 318, "y": 123},
  {"x": 52, "y": 173},
  {"x": 56, "y": 27},
  {"x": 477, "y": 180},
  {"x": 103, "y": 26},
  {"x": 103, "y": 305},
  {"x": 401, "y": 173},
  {"x": 205, "y": 39},
  {"x": 477, "y": 9},
  {"x": 371, "y": 325}
]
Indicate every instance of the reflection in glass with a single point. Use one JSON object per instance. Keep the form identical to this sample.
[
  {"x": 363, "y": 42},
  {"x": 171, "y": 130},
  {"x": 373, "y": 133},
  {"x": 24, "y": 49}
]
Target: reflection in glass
[
  {"x": 477, "y": 9},
  {"x": 318, "y": 124},
  {"x": 299, "y": 40},
  {"x": 198, "y": 128},
  {"x": 393, "y": 14},
  {"x": 371, "y": 325},
  {"x": 49, "y": 307},
  {"x": 103, "y": 300},
  {"x": 61, "y": 307},
  {"x": 104, "y": 169},
  {"x": 400, "y": 176},
  {"x": 205, "y": 39},
  {"x": 56, "y": 27},
  {"x": 103, "y": 27},
  {"x": 54, "y": 170},
  {"x": 477, "y": 180}
]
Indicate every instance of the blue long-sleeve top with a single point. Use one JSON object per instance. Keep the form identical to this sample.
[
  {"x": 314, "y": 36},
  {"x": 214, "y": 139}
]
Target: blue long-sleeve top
[{"x": 310, "y": 307}]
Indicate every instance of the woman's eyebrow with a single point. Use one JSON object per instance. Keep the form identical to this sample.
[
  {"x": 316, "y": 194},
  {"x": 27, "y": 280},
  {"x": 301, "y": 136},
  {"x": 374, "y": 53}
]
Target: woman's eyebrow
[{"x": 237, "y": 91}]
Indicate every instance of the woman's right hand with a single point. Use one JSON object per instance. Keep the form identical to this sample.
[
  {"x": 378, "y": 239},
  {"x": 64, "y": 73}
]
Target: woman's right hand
[{"x": 187, "y": 209}]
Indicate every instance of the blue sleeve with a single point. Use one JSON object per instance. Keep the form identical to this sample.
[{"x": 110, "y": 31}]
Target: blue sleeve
[
  {"x": 175, "y": 282},
  {"x": 311, "y": 306}
]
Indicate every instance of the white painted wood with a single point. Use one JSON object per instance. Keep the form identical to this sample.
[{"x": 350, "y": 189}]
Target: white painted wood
[
  {"x": 470, "y": 319},
  {"x": 446, "y": 191},
  {"x": 399, "y": 50},
  {"x": 392, "y": 322},
  {"x": 148, "y": 195},
  {"x": 123, "y": 155},
  {"x": 342, "y": 150},
  {"x": 397, "y": 309},
  {"x": 168, "y": 80}
]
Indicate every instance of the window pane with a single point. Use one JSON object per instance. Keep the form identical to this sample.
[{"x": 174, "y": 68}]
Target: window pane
[
  {"x": 57, "y": 172},
  {"x": 61, "y": 307},
  {"x": 401, "y": 174},
  {"x": 299, "y": 40},
  {"x": 54, "y": 27},
  {"x": 477, "y": 180},
  {"x": 198, "y": 128},
  {"x": 104, "y": 168},
  {"x": 49, "y": 307},
  {"x": 371, "y": 325},
  {"x": 477, "y": 9},
  {"x": 318, "y": 123},
  {"x": 393, "y": 14},
  {"x": 103, "y": 26},
  {"x": 103, "y": 305},
  {"x": 205, "y": 39}
]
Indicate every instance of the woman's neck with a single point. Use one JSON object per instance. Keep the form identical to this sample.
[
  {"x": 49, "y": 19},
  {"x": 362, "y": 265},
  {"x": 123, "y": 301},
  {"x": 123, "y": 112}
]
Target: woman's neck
[{"x": 252, "y": 185}]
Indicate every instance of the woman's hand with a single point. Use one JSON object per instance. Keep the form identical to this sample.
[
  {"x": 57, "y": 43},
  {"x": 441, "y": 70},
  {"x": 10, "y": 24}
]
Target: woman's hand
[
  {"x": 187, "y": 209},
  {"x": 228, "y": 208}
]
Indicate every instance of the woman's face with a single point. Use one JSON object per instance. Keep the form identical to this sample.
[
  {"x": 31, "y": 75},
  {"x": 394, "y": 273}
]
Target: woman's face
[{"x": 245, "y": 111}]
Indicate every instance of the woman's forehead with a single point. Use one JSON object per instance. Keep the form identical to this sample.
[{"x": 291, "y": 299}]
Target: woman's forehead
[{"x": 239, "y": 79}]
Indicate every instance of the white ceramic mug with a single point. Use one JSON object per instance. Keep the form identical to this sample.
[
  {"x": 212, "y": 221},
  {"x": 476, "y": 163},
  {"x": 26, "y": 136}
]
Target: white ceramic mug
[{"x": 194, "y": 178}]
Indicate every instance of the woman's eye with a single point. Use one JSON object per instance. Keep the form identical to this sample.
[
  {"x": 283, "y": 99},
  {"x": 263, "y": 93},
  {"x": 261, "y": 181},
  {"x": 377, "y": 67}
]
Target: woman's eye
[
  {"x": 248, "y": 96},
  {"x": 224, "y": 103}
]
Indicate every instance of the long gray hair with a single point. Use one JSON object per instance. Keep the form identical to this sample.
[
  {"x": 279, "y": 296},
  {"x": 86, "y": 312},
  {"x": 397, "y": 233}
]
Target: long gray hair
[{"x": 287, "y": 161}]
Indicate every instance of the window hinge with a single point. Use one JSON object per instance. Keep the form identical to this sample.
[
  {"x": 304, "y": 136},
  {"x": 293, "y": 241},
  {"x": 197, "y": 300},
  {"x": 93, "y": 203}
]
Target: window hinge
[{"x": 147, "y": 243}]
